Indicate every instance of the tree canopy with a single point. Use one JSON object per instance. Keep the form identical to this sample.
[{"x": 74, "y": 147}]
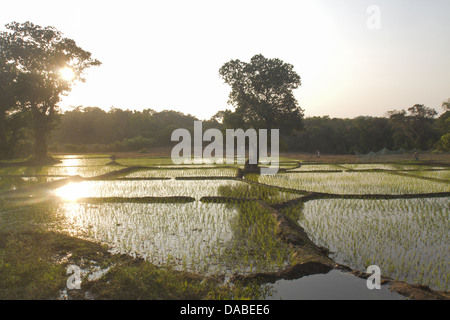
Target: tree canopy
[
  {"x": 414, "y": 129},
  {"x": 262, "y": 94},
  {"x": 34, "y": 58}
]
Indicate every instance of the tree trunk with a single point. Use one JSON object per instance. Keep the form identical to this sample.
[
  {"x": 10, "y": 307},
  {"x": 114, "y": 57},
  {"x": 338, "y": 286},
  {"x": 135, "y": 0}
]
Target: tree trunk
[
  {"x": 40, "y": 142},
  {"x": 40, "y": 127},
  {"x": 3, "y": 143},
  {"x": 8, "y": 138},
  {"x": 253, "y": 167}
]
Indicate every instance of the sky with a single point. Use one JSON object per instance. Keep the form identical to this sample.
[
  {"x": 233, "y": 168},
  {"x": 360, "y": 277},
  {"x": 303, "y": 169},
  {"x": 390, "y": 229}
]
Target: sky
[{"x": 354, "y": 57}]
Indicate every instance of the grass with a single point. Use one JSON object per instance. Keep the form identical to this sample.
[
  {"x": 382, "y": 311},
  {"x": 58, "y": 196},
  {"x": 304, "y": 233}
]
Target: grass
[
  {"x": 30, "y": 270},
  {"x": 27, "y": 271}
]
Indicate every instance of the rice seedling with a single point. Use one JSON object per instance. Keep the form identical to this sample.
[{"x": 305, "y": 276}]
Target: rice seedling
[
  {"x": 407, "y": 238},
  {"x": 84, "y": 171},
  {"x": 145, "y": 161},
  {"x": 82, "y": 162},
  {"x": 255, "y": 191},
  {"x": 209, "y": 238},
  {"x": 9, "y": 183},
  {"x": 387, "y": 166},
  {"x": 316, "y": 167},
  {"x": 355, "y": 183},
  {"x": 142, "y": 188},
  {"x": 436, "y": 174},
  {"x": 13, "y": 170},
  {"x": 81, "y": 156},
  {"x": 190, "y": 172}
]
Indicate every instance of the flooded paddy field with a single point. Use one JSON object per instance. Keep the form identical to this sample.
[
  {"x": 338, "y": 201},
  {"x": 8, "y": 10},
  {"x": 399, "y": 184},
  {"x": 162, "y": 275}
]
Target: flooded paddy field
[
  {"x": 354, "y": 183},
  {"x": 407, "y": 238},
  {"x": 208, "y": 222}
]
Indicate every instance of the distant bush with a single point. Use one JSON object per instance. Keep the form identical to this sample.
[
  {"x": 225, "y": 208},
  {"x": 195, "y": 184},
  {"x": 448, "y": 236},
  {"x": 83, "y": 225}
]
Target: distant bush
[
  {"x": 129, "y": 144},
  {"x": 72, "y": 148},
  {"x": 444, "y": 143}
]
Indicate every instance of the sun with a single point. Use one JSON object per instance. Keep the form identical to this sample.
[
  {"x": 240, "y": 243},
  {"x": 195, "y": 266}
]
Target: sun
[
  {"x": 67, "y": 73},
  {"x": 72, "y": 191}
]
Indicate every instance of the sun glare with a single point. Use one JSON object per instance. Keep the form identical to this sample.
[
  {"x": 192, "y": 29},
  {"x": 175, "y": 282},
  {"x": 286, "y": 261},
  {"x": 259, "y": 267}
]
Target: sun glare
[
  {"x": 67, "y": 73},
  {"x": 72, "y": 191}
]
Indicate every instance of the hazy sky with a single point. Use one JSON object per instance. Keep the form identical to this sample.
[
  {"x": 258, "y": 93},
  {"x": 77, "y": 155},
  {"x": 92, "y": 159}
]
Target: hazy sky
[{"x": 166, "y": 54}]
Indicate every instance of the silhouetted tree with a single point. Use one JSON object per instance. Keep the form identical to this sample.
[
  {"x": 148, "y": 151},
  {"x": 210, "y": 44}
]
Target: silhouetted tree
[
  {"x": 38, "y": 54},
  {"x": 262, "y": 94}
]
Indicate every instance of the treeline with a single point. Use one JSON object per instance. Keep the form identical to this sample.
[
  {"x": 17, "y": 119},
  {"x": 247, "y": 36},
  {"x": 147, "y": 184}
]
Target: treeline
[
  {"x": 415, "y": 128},
  {"x": 92, "y": 129}
]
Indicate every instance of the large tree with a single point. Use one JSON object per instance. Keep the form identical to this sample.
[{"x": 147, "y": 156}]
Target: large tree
[
  {"x": 415, "y": 127},
  {"x": 46, "y": 65},
  {"x": 8, "y": 93},
  {"x": 262, "y": 94}
]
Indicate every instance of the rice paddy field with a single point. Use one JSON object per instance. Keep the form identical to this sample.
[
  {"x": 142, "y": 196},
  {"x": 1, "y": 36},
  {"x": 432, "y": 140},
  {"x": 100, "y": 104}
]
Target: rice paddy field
[
  {"x": 206, "y": 220},
  {"x": 354, "y": 182},
  {"x": 407, "y": 238}
]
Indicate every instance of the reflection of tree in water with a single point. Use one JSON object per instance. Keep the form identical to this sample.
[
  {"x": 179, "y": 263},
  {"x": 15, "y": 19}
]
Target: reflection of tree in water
[
  {"x": 9, "y": 183},
  {"x": 254, "y": 246}
]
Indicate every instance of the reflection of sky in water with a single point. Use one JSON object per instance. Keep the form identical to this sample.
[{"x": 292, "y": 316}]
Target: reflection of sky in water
[
  {"x": 73, "y": 191},
  {"x": 71, "y": 162},
  {"x": 189, "y": 233},
  {"x": 335, "y": 285},
  {"x": 157, "y": 188},
  {"x": 68, "y": 167},
  {"x": 205, "y": 172},
  {"x": 407, "y": 238},
  {"x": 13, "y": 183}
]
